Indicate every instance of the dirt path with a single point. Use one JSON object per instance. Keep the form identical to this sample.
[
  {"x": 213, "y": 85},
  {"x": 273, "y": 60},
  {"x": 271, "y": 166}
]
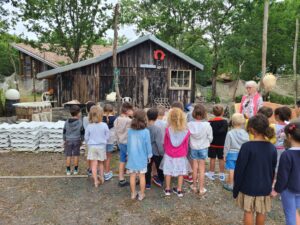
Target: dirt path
[{"x": 76, "y": 201}]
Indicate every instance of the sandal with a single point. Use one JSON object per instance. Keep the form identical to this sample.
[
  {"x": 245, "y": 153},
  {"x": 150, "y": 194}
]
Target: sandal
[
  {"x": 203, "y": 191},
  {"x": 194, "y": 189},
  {"x": 134, "y": 195},
  {"x": 141, "y": 196}
]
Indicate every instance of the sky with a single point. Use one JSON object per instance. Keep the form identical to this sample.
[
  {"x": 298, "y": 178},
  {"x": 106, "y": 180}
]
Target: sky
[{"x": 128, "y": 30}]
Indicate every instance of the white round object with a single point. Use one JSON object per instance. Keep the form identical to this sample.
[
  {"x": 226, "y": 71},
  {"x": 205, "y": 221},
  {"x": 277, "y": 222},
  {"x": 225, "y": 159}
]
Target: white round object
[
  {"x": 269, "y": 81},
  {"x": 12, "y": 94}
]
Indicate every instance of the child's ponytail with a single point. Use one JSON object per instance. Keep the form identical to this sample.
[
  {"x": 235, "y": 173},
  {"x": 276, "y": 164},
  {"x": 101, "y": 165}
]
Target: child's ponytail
[
  {"x": 293, "y": 129},
  {"x": 269, "y": 132}
]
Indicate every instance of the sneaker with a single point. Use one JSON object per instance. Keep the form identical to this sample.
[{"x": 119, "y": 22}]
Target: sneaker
[
  {"x": 89, "y": 172},
  {"x": 148, "y": 186},
  {"x": 188, "y": 179},
  {"x": 167, "y": 192},
  {"x": 228, "y": 187},
  {"x": 210, "y": 176},
  {"x": 222, "y": 177},
  {"x": 68, "y": 172},
  {"x": 108, "y": 176},
  {"x": 75, "y": 172},
  {"x": 157, "y": 182},
  {"x": 123, "y": 183},
  {"x": 179, "y": 193}
]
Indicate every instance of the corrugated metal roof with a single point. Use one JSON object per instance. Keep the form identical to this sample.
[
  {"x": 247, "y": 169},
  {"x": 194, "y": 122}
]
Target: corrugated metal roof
[{"x": 129, "y": 45}]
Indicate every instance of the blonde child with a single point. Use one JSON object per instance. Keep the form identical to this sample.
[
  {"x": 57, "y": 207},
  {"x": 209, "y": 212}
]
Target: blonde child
[
  {"x": 96, "y": 136},
  {"x": 254, "y": 171},
  {"x": 200, "y": 139},
  {"x": 85, "y": 122},
  {"x": 109, "y": 118},
  {"x": 233, "y": 143},
  {"x": 122, "y": 124},
  {"x": 176, "y": 141},
  {"x": 288, "y": 177},
  {"x": 139, "y": 152}
]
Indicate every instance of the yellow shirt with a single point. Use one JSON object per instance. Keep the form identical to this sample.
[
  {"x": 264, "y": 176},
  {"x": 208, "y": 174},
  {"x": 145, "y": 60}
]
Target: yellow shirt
[{"x": 271, "y": 140}]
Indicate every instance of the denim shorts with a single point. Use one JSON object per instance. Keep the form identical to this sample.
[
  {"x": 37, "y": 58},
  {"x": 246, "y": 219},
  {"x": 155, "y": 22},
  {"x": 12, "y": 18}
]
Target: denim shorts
[
  {"x": 109, "y": 148},
  {"x": 199, "y": 154},
  {"x": 123, "y": 152},
  {"x": 231, "y": 158}
]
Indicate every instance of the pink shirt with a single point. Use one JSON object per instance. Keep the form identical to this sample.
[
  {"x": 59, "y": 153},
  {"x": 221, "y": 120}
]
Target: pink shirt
[{"x": 176, "y": 151}]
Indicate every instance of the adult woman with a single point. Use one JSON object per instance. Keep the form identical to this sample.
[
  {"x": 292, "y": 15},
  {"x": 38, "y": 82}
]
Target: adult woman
[{"x": 251, "y": 102}]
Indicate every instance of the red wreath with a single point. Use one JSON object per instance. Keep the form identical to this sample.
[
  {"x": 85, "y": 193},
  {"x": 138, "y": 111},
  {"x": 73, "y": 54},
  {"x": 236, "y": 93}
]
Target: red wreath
[{"x": 159, "y": 55}]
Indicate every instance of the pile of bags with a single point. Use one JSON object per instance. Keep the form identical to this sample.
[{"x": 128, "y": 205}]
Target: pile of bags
[
  {"x": 4, "y": 137},
  {"x": 51, "y": 139},
  {"x": 32, "y": 136}
]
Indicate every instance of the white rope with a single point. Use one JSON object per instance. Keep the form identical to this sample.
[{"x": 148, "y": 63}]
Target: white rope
[{"x": 46, "y": 177}]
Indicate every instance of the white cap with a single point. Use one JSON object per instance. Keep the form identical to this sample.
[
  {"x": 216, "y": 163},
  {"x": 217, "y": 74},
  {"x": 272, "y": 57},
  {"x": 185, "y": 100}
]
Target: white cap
[{"x": 12, "y": 94}]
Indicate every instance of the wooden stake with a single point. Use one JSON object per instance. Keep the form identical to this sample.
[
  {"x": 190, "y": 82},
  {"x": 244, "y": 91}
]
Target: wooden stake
[{"x": 264, "y": 44}]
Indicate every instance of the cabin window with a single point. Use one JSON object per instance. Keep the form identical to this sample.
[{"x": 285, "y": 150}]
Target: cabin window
[{"x": 180, "y": 79}]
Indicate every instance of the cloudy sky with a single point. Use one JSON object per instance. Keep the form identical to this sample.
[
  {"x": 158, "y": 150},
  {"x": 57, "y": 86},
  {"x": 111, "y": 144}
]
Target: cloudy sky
[{"x": 20, "y": 29}]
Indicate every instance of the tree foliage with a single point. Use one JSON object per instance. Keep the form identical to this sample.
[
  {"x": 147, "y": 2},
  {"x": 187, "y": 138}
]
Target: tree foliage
[{"x": 70, "y": 26}]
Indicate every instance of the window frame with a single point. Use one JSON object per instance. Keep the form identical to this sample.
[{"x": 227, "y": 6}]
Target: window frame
[{"x": 180, "y": 88}]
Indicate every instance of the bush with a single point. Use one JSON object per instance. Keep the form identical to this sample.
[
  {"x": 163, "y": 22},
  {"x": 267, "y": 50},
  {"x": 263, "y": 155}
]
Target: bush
[
  {"x": 238, "y": 99},
  {"x": 281, "y": 99},
  {"x": 209, "y": 97}
]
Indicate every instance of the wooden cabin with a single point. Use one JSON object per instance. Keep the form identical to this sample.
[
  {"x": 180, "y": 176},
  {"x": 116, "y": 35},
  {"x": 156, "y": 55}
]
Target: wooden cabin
[
  {"x": 33, "y": 60},
  {"x": 148, "y": 69}
]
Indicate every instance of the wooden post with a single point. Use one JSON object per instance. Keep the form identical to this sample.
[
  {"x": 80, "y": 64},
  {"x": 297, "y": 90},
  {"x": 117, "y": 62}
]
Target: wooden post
[
  {"x": 115, "y": 66},
  {"x": 295, "y": 59},
  {"x": 33, "y": 75},
  {"x": 264, "y": 44},
  {"x": 238, "y": 80}
]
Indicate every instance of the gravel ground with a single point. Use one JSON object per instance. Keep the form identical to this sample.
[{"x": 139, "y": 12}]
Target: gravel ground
[{"x": 76, "y": 201}]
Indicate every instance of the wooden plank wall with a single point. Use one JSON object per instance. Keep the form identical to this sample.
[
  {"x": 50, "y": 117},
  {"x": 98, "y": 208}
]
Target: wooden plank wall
[{"x": 94, "y": 82}]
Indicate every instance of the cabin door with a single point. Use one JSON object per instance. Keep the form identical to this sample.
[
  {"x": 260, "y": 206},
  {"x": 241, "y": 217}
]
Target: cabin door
[{"x": 157, "y": 85}]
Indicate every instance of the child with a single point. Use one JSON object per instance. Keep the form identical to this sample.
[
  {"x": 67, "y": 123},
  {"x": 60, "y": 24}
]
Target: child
[
  {"x": 288, "y": 177},
  {"x": 85, "y": 122},
  {"x": 254, "y": 171},
  {"x": 157, "y": 149},
  {"x": 297, "y": 109},
  {"x": 200, "y": 139},
  {"x": 160, "y": 122},
  {"x": 122, "y": 124},
  {"x": 233, "y": 142},
  {"x": 175, "y": 163},
  {"x": 96, "y": 136},
  {"x": 282, "y": 117},
  {"x": 109, "y": 118},
  {"x": 268, "y": 112},
  {"x": 139, "y": 152},
  {"x": 219, "y": 126},
  {"x": 73, "y": 135}
]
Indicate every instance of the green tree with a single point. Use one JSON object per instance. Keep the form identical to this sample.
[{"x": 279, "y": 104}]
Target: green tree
[{"x": 70, "y": 26}]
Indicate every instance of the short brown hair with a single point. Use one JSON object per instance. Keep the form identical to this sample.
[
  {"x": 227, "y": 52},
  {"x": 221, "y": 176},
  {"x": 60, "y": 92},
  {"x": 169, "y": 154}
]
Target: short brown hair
[
  {"x": 199, "y": 112},
  {"x": 139, "y": 121},
  {"x": 74, "y": 110},
  {"x": 108, "y": 108},
  {"x": 284, "y": 113},
  {"x": 126, "y": 106},
  {"x": 161, "y": 110},
  {"x": 95, "y": 114},
  {"x": 218, "y": 110},
  {"x": 267, "y": 111},
  {"x": 178, "y": 105}
]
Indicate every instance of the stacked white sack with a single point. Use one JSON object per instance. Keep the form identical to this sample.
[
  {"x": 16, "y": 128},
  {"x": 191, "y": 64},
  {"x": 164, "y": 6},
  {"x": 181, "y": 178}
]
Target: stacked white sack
[
  {"x": 25, "y": 136},
  {"x": 52, "y": 137},
  {"x": 4, "y": 136}
]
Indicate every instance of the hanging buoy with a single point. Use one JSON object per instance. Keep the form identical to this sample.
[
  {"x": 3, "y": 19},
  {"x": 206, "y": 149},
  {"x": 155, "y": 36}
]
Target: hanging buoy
[{"x": 159, "y": 55}]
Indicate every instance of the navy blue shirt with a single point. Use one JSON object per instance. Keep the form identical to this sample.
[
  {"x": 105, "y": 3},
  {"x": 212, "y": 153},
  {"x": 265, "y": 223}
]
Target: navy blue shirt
[
  {"x": 255, "y": 168},
  {"x": 288, "y": 176},
  {"x": 109, "y": 120}
]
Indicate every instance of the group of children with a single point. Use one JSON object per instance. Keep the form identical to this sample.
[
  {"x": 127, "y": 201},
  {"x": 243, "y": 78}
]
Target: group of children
[{"x": 177, "y": 145}]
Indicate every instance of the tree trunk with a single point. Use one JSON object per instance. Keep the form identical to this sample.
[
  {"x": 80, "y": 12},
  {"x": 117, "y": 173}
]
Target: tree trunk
[
  {"x": 215, "y": 73},
  {"x": 295, "y": 59},
  {"x": 237, "y": 80},
  {"x": 264, "y": 44},
  {"x": 115, "y": 66}
]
